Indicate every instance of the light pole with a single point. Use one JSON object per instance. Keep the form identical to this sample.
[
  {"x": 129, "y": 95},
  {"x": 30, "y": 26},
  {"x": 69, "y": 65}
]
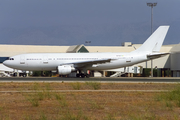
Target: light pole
[
  {"x": 87, "y": 42},
  {"x": 151, "y": 5}
]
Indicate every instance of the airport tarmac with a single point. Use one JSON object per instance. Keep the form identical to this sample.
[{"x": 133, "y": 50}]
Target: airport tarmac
[{"x": 100, "y": 79}]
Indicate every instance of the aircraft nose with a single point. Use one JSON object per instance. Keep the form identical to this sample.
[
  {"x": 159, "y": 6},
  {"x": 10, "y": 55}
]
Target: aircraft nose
[{"x": 5, "y": 62}]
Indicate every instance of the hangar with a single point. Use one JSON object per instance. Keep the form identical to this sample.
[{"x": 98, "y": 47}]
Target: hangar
[{"x": 166, "y": 66}]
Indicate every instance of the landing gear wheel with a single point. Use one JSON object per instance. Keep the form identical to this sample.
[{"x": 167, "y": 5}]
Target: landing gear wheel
[
  {"x": 82, "y": 75},
  {"x": 77, "y": 75}
]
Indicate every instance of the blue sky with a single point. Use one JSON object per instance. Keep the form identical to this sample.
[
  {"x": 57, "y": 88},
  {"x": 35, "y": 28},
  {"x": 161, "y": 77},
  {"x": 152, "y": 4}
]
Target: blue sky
[{"x": 71, "y": 22}]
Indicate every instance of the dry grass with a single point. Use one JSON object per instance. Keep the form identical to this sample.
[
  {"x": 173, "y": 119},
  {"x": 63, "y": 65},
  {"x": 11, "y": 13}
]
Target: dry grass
[{"x": 46, "y": 105}]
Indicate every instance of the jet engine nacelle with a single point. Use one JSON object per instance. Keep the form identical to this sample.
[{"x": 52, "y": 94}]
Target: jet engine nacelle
[{"x": 65, "y": 69}]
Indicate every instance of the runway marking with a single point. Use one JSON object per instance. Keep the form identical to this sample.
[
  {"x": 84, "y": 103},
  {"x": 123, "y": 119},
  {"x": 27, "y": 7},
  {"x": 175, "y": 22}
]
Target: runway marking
[{"x": 33, "y": 91}]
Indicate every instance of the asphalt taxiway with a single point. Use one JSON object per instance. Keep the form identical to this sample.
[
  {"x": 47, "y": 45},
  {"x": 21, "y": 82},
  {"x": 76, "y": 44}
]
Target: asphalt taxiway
[{"x": 100, "y": 79}]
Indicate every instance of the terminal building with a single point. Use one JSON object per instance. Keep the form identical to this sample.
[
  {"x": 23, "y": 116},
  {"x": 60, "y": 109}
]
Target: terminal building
[{"x": 167, "y": 66}]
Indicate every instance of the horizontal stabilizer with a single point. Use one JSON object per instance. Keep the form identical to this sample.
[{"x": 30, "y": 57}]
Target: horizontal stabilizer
[{"x": 156, "y": 55}]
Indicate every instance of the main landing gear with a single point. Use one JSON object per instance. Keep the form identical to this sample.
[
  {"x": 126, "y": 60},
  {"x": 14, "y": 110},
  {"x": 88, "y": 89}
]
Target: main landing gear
[{"x": 82, "y": 75}]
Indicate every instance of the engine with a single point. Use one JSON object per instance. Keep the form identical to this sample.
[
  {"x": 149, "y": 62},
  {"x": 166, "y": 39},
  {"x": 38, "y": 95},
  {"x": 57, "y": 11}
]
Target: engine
[{"x": 65, "y": 69}]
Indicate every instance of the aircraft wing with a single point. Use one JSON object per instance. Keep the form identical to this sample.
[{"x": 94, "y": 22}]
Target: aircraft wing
[
  {"x": 80, "y": 64},
  {"x": 156, "y": 55}
]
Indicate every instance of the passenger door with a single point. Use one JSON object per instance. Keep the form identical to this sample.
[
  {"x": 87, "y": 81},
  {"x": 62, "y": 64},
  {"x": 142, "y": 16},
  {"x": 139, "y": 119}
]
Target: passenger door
[
  {"x": 22, "y": 60},
  {"x": 45, "y": 60}
]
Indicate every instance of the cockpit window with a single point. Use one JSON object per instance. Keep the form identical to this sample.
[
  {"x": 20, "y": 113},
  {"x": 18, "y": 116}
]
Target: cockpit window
[{"x": 11, "y": 58}]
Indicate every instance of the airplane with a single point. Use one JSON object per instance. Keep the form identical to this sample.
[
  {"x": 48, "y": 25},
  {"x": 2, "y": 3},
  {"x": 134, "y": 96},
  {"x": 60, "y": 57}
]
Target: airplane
[{"x": 66, "y": 63}]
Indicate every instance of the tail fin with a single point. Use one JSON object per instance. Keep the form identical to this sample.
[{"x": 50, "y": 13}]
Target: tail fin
[{"x": 155, "y": 41}]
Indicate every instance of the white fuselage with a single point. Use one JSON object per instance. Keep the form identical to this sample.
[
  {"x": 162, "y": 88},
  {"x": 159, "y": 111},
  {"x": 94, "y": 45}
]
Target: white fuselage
[
  {"x": 65, "y": 63},
  {"x": 50, "y": 61}
]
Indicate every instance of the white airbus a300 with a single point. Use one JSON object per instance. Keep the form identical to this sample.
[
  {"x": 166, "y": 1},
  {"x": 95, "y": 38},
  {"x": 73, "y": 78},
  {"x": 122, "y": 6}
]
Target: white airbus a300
[{"x": 66, "y": 63}]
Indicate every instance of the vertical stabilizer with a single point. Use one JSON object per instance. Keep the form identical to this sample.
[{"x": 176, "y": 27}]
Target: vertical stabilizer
[{"x": 155, "y": 41}]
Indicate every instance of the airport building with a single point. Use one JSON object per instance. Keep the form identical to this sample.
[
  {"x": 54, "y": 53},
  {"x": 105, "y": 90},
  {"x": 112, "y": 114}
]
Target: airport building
[{"x": 167, "y": 65}]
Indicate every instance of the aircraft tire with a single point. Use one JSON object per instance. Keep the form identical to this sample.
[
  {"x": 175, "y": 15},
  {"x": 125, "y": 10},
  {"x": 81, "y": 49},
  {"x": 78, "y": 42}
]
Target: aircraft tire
[
  {"x": 82, "y": 75},
  {"x": 78, "y": 75}
]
